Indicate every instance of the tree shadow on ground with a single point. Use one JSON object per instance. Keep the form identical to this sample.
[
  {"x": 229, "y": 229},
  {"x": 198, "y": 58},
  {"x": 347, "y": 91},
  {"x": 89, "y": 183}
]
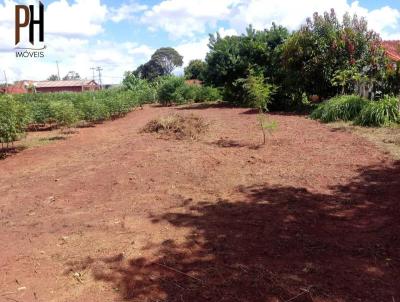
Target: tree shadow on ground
[
  {"x": 229, "y": 143},
  {"x": 275, "y": 243},
  {"x": 7, "y": 152},
  {"x": 278, "y": 113},
  {"x": 202, "y": 106}
]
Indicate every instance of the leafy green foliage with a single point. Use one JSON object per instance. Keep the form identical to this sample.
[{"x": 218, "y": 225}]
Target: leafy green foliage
[
  {"x": 145, "y": 91},
  {"x": 258, "y": 93},
  {"x": 380, "y": 113},
  {"x": 14, "y": 117},
  {"x": 345, "y": 108},
  {"x": 230, "y": 59},
  {"x": 195, "y": 70},
  {"x": 325, "y": 49},
  {"x": 162, "y": 63},
  {"x": 206, "y": 94},
  {"x": 363, "y": 112},
  {"x": 176, "y": 90},
  {"x": 64, "y": 113},
  {"x": 172, "y": 90}
]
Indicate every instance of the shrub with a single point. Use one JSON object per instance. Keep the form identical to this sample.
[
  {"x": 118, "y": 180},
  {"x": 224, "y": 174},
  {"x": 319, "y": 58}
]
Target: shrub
[
  {"x": 40, "y": 112},
  {"x": 208, "y": 94},
  {"x": 64, "y": 113},
  {"x": 93, "y": 111},
  {"x": 345, "y": 108},
  {"x": 14, "y": 116},
  {"x": 258, "y": 93},
  {"x": 172, "y": 90},
  {"x": 379, "y": 113}
]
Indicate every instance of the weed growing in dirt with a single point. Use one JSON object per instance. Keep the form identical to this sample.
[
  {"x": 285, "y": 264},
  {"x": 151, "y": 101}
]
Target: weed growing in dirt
[{"x": 177, "y": 126}]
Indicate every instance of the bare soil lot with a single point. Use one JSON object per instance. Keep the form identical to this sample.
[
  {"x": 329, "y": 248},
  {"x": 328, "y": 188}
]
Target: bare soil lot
[{"x": 114, "y": 214}]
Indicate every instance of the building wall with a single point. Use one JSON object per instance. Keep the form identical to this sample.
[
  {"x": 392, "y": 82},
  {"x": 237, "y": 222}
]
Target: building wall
[
  {"x": 59, "y": 89},
  {"x": 13, "y": 90}
]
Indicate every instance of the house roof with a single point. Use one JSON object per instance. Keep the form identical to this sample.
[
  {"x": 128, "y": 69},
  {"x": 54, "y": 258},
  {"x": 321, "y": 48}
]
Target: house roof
[
  {"x": 392, "y": 49},
  {"x": 72, "y": 83}
]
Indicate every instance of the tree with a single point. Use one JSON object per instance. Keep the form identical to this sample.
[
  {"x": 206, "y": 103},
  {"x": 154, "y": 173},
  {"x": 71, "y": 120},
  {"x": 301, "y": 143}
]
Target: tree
[
  {"x": 149, "y": 71},
  {"x": 230, "y": 59},
  {"x": 168, "y": 59},
  {"x": 53, "y": 77},
  {"x": 162, "y": 63},
  {"x": 72, "y": 75},
  {"x": 195, "y": 70},
  {"x": 326, "y": 53}
]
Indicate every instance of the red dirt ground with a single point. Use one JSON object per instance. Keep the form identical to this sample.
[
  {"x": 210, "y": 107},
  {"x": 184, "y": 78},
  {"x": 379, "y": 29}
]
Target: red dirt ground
[{"x": 111, "y": 214}]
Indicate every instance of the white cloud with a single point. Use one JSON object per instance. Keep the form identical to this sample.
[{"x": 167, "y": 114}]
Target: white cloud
[
  {"x": 385, "y": 20},
  {"x": 261, "y": 13},
  {"x": 186, "y": 18},
  {"x": 82, "y": 18},
  {"x": 193, "y": 50},
  {"x": 126, "y": 11},
  {"x": 227, "y": 32},
  {"x": 183, "y": 18}
]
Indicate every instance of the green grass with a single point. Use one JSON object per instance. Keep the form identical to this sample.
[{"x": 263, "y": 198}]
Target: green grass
[
  {"x": 340, "y": 108},
  {"x": 381, "y": 113},
  {"x": 358, "y": 110}
]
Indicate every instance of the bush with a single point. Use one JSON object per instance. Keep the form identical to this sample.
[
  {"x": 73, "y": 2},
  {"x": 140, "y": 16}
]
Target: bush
[
  {"x": 258, "y": 93},
  {"x": 380, "y": 113},
  {"x": 64, "y": 113},
  {"x": 208, "y": 94},
  {"x": 40, "y": 112},
  {"x": 146, "y": 92},
  {"x": 93, "y": 110},
  {"x": 173, "y": 89},
  {"x": 345, "y": 108},
  {"x": 14, "y": 117}
]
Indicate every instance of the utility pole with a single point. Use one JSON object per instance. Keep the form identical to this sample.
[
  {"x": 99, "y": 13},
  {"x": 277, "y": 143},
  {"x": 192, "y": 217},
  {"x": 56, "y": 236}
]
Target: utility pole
[
  {"x": 93, "y": 70},
  {"x": 58, "y": 71},
  {"x": 5, "y": 76},
  {"x": 99, "y": 69}
]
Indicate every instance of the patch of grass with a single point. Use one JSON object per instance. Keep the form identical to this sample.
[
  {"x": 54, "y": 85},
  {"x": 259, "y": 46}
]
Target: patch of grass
[
  {"x": 379, "y": 113},
  {"x": 362, "y": 112},
  {"x": 177, "y": 126},
  {"x": 340, "y": 108},
  {"x": 386, "y": 138}
]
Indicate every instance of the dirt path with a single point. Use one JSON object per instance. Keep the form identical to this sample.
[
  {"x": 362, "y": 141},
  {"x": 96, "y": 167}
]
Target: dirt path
[{"x": 111, "y": 214}]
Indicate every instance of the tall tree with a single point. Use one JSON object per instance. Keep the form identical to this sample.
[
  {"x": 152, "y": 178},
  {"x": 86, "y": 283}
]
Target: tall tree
[
  {"x": 231, "y": 58},
  {"x": 324, "y": 51},
  {"x": 168, "y": 58},
  {"x": 162, "y": 62},
  {"x": 149, "y": 71}
]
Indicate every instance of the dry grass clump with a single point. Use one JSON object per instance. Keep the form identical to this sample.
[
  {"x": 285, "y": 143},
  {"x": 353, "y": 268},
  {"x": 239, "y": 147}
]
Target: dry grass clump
[{"x": 177, "y": 126}]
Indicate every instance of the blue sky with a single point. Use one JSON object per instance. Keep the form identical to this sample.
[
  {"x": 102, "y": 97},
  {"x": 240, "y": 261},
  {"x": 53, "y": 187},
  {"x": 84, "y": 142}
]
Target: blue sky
[{"x": 120, "y": 35}]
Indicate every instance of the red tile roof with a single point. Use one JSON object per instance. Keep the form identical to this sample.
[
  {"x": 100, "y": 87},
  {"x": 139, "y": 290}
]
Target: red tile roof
[{"x": 392, "y": 49}]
